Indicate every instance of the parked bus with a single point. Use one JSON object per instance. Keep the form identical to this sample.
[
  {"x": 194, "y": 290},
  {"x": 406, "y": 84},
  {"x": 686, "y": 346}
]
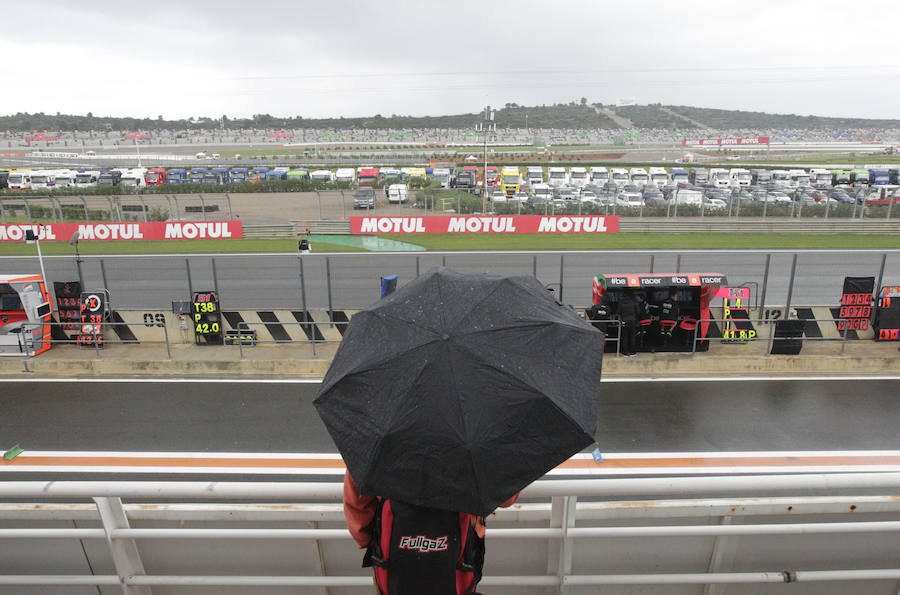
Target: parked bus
[
  {"x": 760, "y": 176},
  {"x": 278, "y": 173},
  {"x": 110, "y": 177},
  {"x": 64, "y": 179},
  {"x": 42, "y": 179},
  {"x": 840, "y": 177},
  {"x": 258, "y": 174}
]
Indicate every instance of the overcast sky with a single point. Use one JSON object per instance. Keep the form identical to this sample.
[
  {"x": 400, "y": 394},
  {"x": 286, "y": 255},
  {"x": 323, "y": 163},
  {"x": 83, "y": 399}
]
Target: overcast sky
[{"x": 340, "y": 58}]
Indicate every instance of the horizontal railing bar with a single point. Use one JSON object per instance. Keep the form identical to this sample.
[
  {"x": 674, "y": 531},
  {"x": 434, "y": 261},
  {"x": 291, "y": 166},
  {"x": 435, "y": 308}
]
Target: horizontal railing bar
[
  {"x": 488, "y": 581},
  {"x": 59, "y": 579},
  {"x": 52, "y": 533},
  {"x": 652, "y": 486},
  {"x": 526, "y": 533}
]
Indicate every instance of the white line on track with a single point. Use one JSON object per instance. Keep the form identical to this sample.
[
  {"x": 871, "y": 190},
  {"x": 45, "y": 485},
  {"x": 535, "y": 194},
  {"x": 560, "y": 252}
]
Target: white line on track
[{"x": 319, "y": 380}]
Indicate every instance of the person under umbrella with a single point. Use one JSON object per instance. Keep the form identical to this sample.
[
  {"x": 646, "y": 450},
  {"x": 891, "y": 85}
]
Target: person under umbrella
[{"x": 458, "y": 390}]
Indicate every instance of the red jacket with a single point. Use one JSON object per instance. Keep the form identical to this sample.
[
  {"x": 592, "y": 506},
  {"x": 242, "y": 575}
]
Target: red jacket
[{"x": 360, "y": 510}]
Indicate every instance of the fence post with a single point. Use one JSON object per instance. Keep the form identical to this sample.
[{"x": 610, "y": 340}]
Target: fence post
[
  {"x": 890, "y": 206},
  {"x": 319, "y": 199},
  {"x": 787, "y": 306},
  {"x": 187, "y": 268},
  {"x": 202, "y": 207},
  {"x": 694, "y": 343},
  {"x": 880, "y": 272},
  {"x": 103, "y": 274},
  {"x": 228, "y": 202},
  {"x": 678, "y": 263},
  {"x": 827, "y": 207},
  {"x": 328, "y": 283},
  {"x": 762, "y": 297},
  {"x": 302, "y": 285},
  {"x": 844, "y": 338},
  {"x": 652, "y": 258},
  {"x": 166, "y": 333},
  {"x": 765, "y": 206},
  {"x": 534, "y": 266},
  {"x": 562, "y": 268},
  {"x": 216, "y": 281},
  {"x": 771, "y": 336}
]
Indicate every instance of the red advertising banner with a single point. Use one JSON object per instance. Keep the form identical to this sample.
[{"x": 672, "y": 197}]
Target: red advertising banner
[
  {"x": 753, "y": 140},
  {"x": 153, "y": 230},
  {"x": 491, "y": 224}
]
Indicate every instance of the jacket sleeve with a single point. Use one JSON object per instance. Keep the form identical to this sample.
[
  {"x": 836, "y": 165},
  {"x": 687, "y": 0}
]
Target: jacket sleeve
[{"x": 359, "y": 511}]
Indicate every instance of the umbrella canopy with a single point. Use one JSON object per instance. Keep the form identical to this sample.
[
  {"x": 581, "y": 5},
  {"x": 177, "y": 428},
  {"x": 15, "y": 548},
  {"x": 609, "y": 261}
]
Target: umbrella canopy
[{"x": 458, "y": 390}]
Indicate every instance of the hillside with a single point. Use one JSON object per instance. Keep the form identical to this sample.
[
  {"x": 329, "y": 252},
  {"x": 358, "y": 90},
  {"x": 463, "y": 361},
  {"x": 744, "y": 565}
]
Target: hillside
[{"x": 562, "y": 116}]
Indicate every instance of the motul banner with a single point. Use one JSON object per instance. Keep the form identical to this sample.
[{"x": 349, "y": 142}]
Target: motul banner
[
  {"x": 493, "y": 224},
  {"x": 753, "y": 140},
  {"x": 153, "y": 230}
]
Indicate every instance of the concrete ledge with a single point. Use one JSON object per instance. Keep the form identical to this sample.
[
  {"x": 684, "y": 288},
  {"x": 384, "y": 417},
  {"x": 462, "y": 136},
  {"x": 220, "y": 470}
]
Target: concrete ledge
[{"x": 642, "y": 366}]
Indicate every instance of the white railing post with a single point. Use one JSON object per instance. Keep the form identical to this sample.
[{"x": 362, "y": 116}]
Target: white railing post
[
  {"x": 722, "y": 558},
  {"x": 124, "y": 552}
]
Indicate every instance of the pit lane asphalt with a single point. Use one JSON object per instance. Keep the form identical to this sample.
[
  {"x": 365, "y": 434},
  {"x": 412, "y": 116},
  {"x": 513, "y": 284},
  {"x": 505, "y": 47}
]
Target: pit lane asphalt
[{"x": 278, "y": 417}]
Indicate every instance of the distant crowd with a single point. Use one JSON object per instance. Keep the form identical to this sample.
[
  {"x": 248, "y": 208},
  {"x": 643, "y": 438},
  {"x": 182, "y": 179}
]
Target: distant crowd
[{"x": 58, "y": 140}]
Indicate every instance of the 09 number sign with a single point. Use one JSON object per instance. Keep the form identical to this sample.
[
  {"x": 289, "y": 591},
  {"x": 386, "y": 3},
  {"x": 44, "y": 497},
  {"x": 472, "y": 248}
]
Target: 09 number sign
[{"x": 206, "y": 318}]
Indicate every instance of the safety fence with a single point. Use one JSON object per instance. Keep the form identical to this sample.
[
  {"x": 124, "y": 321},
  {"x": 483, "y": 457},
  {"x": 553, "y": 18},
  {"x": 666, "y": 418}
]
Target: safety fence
[{"x": 836, "y": 527}]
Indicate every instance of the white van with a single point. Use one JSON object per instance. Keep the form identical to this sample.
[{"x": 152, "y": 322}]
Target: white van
[
  {"x": 398, "y": 193},
  {"x": 64, "y": 179},
  {"x": 442, "y": 175},
  {"x": 799, "y": 177}
]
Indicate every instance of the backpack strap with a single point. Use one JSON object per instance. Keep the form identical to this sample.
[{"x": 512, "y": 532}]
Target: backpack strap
[{"x": 374, "y": 555}]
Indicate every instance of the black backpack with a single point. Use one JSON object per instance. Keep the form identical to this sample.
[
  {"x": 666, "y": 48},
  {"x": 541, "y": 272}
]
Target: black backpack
[{"x": 424, "y": 551}]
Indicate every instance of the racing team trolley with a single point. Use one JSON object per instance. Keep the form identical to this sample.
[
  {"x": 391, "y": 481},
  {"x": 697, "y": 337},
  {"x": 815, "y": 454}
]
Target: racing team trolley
[
  {"x": 695, "y": 291},
  {"x": 25, "y": 314},
  {"x": 887, "y": 314}
]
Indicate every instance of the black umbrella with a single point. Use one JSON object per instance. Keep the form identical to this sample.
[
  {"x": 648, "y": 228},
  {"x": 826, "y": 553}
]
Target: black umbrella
[{"x": 458, "y": 390}]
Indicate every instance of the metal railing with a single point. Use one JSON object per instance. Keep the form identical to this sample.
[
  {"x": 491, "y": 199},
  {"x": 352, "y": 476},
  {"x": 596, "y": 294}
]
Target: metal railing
[
  {"x": 568, "y": 515},
  {"x": 27, "y": 351}
]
